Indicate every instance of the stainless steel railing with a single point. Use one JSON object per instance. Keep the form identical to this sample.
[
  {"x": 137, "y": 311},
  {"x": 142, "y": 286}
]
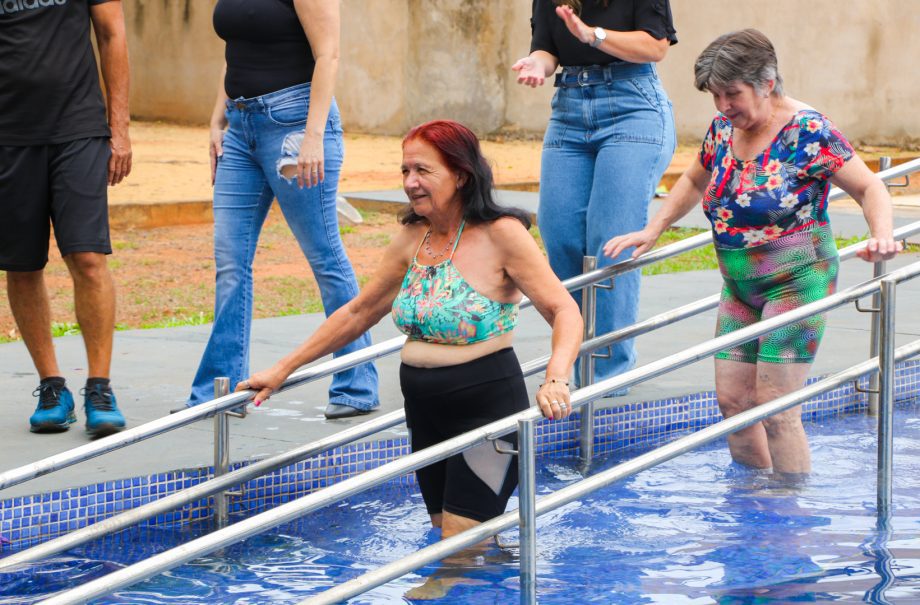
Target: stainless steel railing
[
  {"x": 297, "y": 508},
  {"x": 256, "y": 469},
  {"x": 159, "y": 426},
  {"x": 573, "y": 492}
]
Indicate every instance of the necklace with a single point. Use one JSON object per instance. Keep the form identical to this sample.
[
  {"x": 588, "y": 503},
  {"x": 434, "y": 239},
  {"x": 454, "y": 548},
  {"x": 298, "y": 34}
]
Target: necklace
[{"x": 446, "y": 246}]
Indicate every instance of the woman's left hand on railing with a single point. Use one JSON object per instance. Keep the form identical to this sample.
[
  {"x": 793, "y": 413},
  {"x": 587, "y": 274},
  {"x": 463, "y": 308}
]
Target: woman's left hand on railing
[
  {"x": 264, "y": 383},
  {"x": 641, "y": 240},
  {"x": 879, "y": 249}
]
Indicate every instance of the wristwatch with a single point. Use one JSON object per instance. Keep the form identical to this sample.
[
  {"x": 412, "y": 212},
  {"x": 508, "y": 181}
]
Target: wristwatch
[{"x": 600, "y": 34}]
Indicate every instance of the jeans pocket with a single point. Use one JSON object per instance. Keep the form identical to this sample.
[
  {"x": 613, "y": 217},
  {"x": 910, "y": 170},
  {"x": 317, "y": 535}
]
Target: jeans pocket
[
  {"x": 289, "y": 112},
  {"x": 646, "y": 88}
]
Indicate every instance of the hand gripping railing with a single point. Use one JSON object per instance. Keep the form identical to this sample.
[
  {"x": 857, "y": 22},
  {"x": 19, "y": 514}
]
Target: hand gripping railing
[
  {"x": 306, "y": 504},
  {"x": 259, "y": 468},
  {"x": 168, "y": 423}
]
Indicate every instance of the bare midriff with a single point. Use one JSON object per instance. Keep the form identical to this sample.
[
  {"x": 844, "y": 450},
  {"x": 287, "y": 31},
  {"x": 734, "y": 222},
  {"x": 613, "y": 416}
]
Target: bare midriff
[{"x": 420, "y": 354}]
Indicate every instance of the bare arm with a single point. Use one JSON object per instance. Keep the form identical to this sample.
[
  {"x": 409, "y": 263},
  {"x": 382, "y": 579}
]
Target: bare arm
[
  {"x": 109, "y": 26},
  {"x": 348, "y": 322},
  {"x": 218, "y": 123},
  {"x": 870, "y": 192},
  {"x": 528, "y": 268},
  {"x": 634, "y": 46},
  {"x": 687, "y": 193},
  {"x": 321, "y": 21}
]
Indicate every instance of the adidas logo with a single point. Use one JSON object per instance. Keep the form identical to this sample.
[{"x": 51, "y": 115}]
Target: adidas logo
[{"x": 14, "y": 6}]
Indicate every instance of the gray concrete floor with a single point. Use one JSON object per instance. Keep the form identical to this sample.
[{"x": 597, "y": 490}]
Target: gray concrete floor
[{"x": 152, "y": 370}]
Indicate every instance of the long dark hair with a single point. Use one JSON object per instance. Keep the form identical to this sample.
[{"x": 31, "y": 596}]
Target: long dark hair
[{"x": 460, "y": 151}]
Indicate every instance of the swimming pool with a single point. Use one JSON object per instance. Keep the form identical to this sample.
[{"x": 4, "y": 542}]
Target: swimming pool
[{"x": 695, "y": 530}]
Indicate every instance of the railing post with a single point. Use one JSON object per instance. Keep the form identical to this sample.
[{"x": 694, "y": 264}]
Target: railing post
[
  {"x": 878, "y": 269},
  {"x": 586, "y": 370},
  {"x": 527, "y": 510},
  {"x": 886, "y": 395},
  {"x": 221, "y": 451}
]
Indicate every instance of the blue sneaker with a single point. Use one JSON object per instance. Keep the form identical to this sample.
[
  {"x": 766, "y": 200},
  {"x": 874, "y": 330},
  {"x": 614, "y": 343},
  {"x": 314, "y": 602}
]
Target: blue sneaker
[
  {"x": 102, "y": 415},
  {"x": 55, "y": 408}
]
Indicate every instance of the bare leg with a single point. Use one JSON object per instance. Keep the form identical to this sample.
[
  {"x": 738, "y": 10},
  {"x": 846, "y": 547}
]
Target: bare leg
[
  {"x": 438, "y": 584},
  {"x": 94, "y": 302},
  {"x": 785, "y": 433},
  {"x": 736, "y": 390},
  {"x": 29, "y": 302}
]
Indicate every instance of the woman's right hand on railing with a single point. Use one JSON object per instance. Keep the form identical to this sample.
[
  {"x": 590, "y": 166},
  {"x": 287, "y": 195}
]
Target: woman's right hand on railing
[
  {"x": 643, "y": 241},
  {"x": 264, "y": 383}
]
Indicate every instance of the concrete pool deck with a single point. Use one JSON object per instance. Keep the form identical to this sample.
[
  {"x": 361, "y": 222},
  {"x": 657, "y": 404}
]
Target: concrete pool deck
[{"x": 152, "y": 370}]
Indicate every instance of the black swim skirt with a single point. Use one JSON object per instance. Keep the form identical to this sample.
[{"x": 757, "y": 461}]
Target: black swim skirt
[{"x": 445, "y": 402}]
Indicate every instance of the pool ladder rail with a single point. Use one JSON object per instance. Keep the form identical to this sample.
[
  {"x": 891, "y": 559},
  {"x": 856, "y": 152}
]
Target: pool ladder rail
[{"x": 522, "y": 422}]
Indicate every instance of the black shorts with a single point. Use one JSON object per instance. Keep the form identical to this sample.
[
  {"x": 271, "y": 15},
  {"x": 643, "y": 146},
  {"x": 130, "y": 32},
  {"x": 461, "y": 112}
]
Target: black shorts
[
  {"x": 445, "y": 402},
  {"x": 64, "y": 184}
]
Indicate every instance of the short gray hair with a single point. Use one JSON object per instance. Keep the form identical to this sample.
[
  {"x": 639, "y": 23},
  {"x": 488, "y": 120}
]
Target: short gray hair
[{"x": 746, "y": 56}]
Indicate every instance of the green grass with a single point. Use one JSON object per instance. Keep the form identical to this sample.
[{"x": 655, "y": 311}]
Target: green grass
[
  {"x": 64, "y": 329},
  {"x": 197, "y": 319}
]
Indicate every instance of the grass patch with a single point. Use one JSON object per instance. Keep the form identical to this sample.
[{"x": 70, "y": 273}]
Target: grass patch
[
  {"x": 198, "y": 319},
  {"x": 66, "y": 328}
]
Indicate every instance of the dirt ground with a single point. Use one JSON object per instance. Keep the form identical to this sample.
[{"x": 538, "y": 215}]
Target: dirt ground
[{"x": 165, "y": 276}]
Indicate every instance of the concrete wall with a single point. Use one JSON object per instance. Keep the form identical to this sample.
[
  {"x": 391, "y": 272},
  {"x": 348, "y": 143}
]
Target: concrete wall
[{"x": 405, "y": 61}]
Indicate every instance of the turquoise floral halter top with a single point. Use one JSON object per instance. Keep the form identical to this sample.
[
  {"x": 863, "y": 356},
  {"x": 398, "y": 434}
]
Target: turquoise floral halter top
[{"x": 436, "y": 304}]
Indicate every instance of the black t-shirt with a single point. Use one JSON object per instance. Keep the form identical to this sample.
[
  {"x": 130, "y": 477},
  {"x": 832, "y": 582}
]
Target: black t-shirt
[
  {"x": 267, "y": 49},
  {"x": 49, "y": 84},
  {"x": 550, "y": 34}
]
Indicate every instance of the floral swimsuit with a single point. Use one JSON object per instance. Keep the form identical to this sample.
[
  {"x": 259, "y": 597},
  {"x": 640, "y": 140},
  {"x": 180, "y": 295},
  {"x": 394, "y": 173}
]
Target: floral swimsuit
[
  {"x": 436, "y": 304},
  {"x": 770, "y": 226}
]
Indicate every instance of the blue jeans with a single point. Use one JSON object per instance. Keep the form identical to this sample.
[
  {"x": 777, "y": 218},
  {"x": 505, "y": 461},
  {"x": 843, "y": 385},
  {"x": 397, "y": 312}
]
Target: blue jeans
[
  {"x": 247, "y": 181},
  {"x": 610, "y": 138}
]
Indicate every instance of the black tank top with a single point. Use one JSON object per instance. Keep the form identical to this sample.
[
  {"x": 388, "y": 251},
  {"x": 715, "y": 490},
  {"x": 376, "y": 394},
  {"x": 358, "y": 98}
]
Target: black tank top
[{"x": 267, "y": 49}]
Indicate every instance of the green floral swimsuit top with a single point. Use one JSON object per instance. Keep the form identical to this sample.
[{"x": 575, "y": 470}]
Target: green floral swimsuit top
[{"x": 436, "y": 304}]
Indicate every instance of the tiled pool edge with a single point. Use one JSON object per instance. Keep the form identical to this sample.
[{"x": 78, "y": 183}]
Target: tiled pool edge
[{"x": 29, "y": 520}]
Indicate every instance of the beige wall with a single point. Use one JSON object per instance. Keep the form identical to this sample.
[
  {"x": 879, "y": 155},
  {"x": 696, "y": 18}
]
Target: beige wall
[{"x": 405, "y": 61}]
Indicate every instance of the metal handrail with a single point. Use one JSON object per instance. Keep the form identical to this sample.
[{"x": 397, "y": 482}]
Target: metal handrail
[
  {"x": 348, "y": 487},
  {"x": 583, "y": 487},
  {"x": 174, "y": 421},
  {"x": 256, "y": 469}
]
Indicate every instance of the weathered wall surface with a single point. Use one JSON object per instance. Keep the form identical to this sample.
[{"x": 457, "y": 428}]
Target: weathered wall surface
[{"x": 405, "y": 61}]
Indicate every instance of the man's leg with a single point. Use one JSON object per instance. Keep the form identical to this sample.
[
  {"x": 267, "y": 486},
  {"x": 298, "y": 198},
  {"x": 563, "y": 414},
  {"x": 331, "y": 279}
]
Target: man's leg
[
  {"x": 29, "y": 302},
  {"x": 94, "y": 303},
  {"x": 79, "y": 212}
]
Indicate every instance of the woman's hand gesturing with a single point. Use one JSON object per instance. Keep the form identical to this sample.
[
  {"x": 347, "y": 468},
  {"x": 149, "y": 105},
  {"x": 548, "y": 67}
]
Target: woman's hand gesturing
[
  {"x": 575, "y": 25},
  {"x": 530, "y": 72}
]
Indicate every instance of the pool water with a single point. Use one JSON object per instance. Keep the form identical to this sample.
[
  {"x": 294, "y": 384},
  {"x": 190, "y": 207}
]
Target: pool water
[{"x": 695, "y": 530}]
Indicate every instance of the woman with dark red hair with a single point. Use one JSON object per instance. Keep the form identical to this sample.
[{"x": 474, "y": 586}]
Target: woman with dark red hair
[{"x": 453, "y": 279}]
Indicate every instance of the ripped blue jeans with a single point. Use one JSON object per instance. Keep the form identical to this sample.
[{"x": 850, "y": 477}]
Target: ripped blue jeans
[{"x": 261, "y": 131}]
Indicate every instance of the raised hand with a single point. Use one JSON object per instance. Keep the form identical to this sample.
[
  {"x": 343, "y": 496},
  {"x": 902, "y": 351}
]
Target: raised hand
[{"x": 575, "y": 25}]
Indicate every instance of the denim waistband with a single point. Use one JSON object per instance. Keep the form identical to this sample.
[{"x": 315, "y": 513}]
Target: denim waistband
[
  {"x": 260, "y": 102},
  {"x": 575, "y": 76}
]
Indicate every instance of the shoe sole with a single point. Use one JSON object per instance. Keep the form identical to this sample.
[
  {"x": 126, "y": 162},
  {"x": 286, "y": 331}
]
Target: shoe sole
[
  {"x": 51, "y": 427},
  {"x": 104, "y": 430}
]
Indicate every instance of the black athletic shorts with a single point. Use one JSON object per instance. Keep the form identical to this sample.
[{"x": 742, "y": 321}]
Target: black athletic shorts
[
  {"x": 64, "y": 184},
  {"x": 445, "y": 402}
]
